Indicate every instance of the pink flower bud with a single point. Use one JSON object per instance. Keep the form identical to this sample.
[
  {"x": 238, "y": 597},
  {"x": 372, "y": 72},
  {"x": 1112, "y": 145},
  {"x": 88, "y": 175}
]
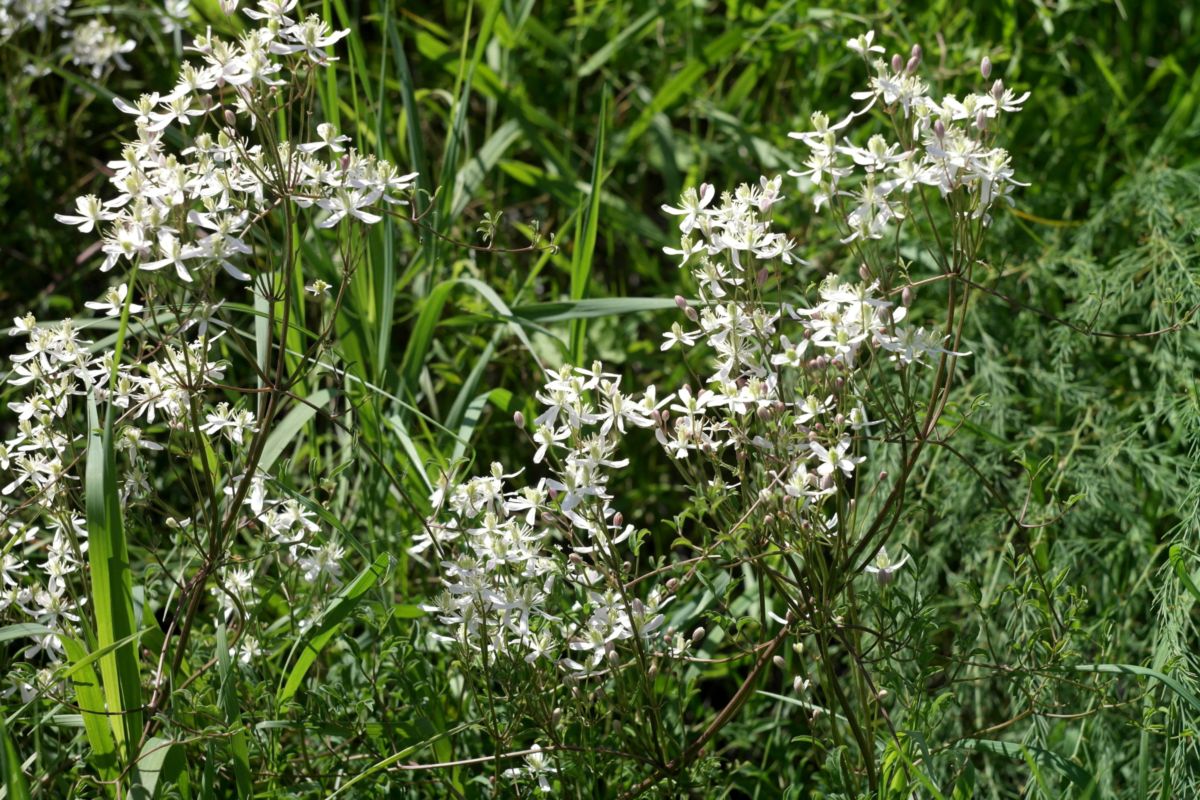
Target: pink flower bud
[
  {"x": 519, "y": 420},
  {"x": 906, "y": 296},
  {"x": 912, "y": 64},
  {"x": 698, "y": 635},
  {"x": 897, "y": 62},
  {"x": 916, "y": 52},
  {"x": 985, "y": 68},
  {"x": 981, "y": 120}
]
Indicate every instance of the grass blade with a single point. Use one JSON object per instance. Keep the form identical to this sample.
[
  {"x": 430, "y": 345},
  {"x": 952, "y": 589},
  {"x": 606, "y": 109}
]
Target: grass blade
[
  {"x": 112, "y": 585},
  {"x": 10, "y": 766},
  {"x": 586, "y": 229},
  {"x": 319, "y": 635}
]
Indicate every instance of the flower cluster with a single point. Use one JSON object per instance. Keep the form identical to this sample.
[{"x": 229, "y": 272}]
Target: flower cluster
[
  {"x": 785, "y": 383},
  {"x": 92, "y": 44},
  {"x": 942, "y": 143},
  {"x": 185, "y": 216},
  {"x": 191, "y": 211},
  {"x": 56, "y": 370},
  {"x": 508, "y": 585},
  {"x": 774, "y": 437}
]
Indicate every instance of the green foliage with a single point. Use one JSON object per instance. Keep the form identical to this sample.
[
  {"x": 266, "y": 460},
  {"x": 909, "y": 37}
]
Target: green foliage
[{"x": 1051, "y": 622}]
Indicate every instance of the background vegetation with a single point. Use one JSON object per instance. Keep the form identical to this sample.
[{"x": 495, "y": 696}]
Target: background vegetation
[{"x": 1076, "y": 420}]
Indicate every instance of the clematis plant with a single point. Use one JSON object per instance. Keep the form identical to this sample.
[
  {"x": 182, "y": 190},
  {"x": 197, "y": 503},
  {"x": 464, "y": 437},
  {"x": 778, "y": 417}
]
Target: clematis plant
[{"x": 808, "y": 415}]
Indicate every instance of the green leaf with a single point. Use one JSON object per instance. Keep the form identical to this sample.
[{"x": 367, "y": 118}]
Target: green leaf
[
  {"x": 1175, "y": 554},
  {"x": 112, "y": 586},
  {"x": 315, "y": 639},
  {"x": 1134, "y": 669},
  {"x": 90, "y": 698},
  {"x": 287, "y": 429},
  {"x": 586, "y": 227},
  {"x": 1069, "y": 770},
  {"x": 233, "y": 717},
  {"x": 154, "y": 768},
  {"x": 10, "y": 766}
]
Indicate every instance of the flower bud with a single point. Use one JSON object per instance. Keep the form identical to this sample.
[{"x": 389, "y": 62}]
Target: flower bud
[
  {"x": 826, "y": 482},
  {"x": 882, "y": 475},
  {"x": 897, "y": 62},
  {"x": 763, "y": 413},
  {"x": 998, "y": 89},
  {"x": 939, "y": 129},
  {"x": 230, "y": 118},
  {"x": 613, "y": 657},
  {"x": 799, "y": 685},
  {"x": 985, "y": 68},
  {"x": 906, "y": 296},
  {"x": 864, "y": 272},
  {"x": 981, "y": 120},
  {"x": 881, "y": 694},
  {"x": 627, "y": 567},
  {"x": 682, "y": 302},
  {"x": 618, "y": 520},
  {"x": 672, "y": 584},
  {"x": 912, "y": 64},
  {"x": 779, "y": 662},
  {"x": 556, "y": 718},
  {"x": 762, "y": 276},
  {"x": 698, "y": 635},
  {"x": 519, "y": 420},
  {"x": 916, "y": 52}
]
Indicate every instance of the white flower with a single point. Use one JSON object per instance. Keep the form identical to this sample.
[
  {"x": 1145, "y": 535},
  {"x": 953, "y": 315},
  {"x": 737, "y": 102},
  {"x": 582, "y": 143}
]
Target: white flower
[
  {"x": 863, "y": 44},
  {"x": 883, "y": 568},
  {"x": 113, "y": 302},
  {"x": 692, "y": 206},
  {"x": 329, "y": 138},
  {"x": 91, "y": 211}
]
